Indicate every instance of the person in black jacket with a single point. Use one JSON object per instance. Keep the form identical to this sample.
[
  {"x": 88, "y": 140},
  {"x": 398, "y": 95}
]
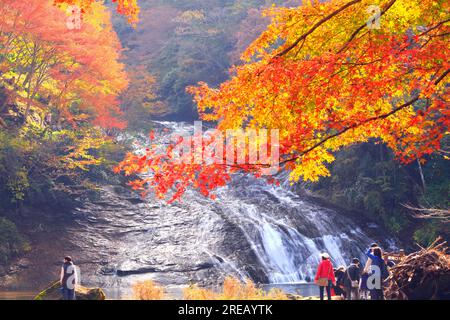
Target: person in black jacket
[
  {"x": 351, "y": 281},
  {"x": 340, "y": 276}
]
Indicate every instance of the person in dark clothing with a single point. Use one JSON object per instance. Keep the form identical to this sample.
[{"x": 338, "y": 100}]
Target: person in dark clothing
[
  {"x": 363, "y": 289},
  {"x": 339, "y": 287},
  {"x": 351, "y": 280},
  {"x": 377, "y": 260},
  {"x": 68, "y": 279},
  {"x": 389, "y": 263}
]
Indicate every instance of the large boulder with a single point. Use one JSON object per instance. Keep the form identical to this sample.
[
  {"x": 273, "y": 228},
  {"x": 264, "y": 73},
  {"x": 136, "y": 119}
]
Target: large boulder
[{"x": 53, "y": 292}]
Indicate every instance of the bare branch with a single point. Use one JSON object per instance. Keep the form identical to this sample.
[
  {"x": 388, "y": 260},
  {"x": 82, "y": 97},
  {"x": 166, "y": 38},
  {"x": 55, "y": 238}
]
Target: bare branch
[{"x": 430, "y": 213}]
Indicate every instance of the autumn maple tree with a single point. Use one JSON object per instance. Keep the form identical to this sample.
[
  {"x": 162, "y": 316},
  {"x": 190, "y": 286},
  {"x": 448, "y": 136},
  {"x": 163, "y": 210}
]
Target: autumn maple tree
[
  {"x": 128, "y": 8},
  {"x": 74, "y": 74},
  {"x": 327, "y": 77},
  {"x": 62, "y": 84}
]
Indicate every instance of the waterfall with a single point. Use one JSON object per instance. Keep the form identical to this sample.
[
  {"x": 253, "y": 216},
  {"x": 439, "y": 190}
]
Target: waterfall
[
  {"x": 285, "y": 232},
  {"x": 268, "y": 233}
]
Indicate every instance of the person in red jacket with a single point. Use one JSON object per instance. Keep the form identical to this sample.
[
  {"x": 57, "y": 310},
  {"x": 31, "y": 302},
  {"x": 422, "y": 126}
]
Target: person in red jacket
[{"x": 325, "y": 276}]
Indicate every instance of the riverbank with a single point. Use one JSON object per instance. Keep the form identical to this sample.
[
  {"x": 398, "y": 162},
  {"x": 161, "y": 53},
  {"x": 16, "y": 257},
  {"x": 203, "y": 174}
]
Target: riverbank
[{"x": 175, "y": 292}]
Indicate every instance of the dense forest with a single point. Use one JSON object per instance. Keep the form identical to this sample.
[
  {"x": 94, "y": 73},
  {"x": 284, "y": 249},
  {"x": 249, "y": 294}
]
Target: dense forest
[
  {"x": 368, "y": 179},
  {"x": 181, "y": 43},
  {"x": 65, "y": 98},
  {"x": 59, "y": 110}
]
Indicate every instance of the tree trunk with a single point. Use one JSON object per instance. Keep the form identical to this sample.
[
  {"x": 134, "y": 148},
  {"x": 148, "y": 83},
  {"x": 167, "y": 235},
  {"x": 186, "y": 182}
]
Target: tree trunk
[{"x": 422, "y": 178}]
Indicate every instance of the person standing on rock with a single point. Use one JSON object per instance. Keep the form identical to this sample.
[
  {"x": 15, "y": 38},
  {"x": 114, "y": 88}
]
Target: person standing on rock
[
  {"x": 325, "y": 276},
  {"x": 68, "y": 279}
]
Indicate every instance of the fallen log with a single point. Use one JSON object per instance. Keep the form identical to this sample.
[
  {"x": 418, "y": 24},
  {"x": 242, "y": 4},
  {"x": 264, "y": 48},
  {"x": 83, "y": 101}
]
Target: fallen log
[
  {"x": 422, "y": 275},
  {"x": 53, "y": 292}
]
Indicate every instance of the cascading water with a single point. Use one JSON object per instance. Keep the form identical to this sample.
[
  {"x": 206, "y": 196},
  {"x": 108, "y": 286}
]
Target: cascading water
[
  {"x": 285, "y": 232},
  {"x": 268, "y": 233}
]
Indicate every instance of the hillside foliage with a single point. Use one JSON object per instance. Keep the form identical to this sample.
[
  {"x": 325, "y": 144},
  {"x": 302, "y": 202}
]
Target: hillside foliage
[{"x": 60, "y": 85}]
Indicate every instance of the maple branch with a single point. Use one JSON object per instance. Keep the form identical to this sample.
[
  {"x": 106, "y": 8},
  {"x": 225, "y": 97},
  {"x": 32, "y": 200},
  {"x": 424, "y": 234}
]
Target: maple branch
[
  {"x": 318, "y": 24},
  {"x": 353, "y": 126},
  {"x": 440, "y": 35},
  {"x": 355, "y": 33},
  {"x": 362, "y": 63},
  {"x": 442, "y": 76},
  {"x": 434, "y": 27},
  {"x": 356, "y": 125}
]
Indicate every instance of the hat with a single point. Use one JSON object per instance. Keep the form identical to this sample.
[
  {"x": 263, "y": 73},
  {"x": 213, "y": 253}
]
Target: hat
[
  {"x": 325, "y": 255},
  {"x": 68, "y": 258}
]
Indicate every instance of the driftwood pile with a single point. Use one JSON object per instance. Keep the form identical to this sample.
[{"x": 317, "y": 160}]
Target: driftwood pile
[{"x": 422, "y": 275}]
